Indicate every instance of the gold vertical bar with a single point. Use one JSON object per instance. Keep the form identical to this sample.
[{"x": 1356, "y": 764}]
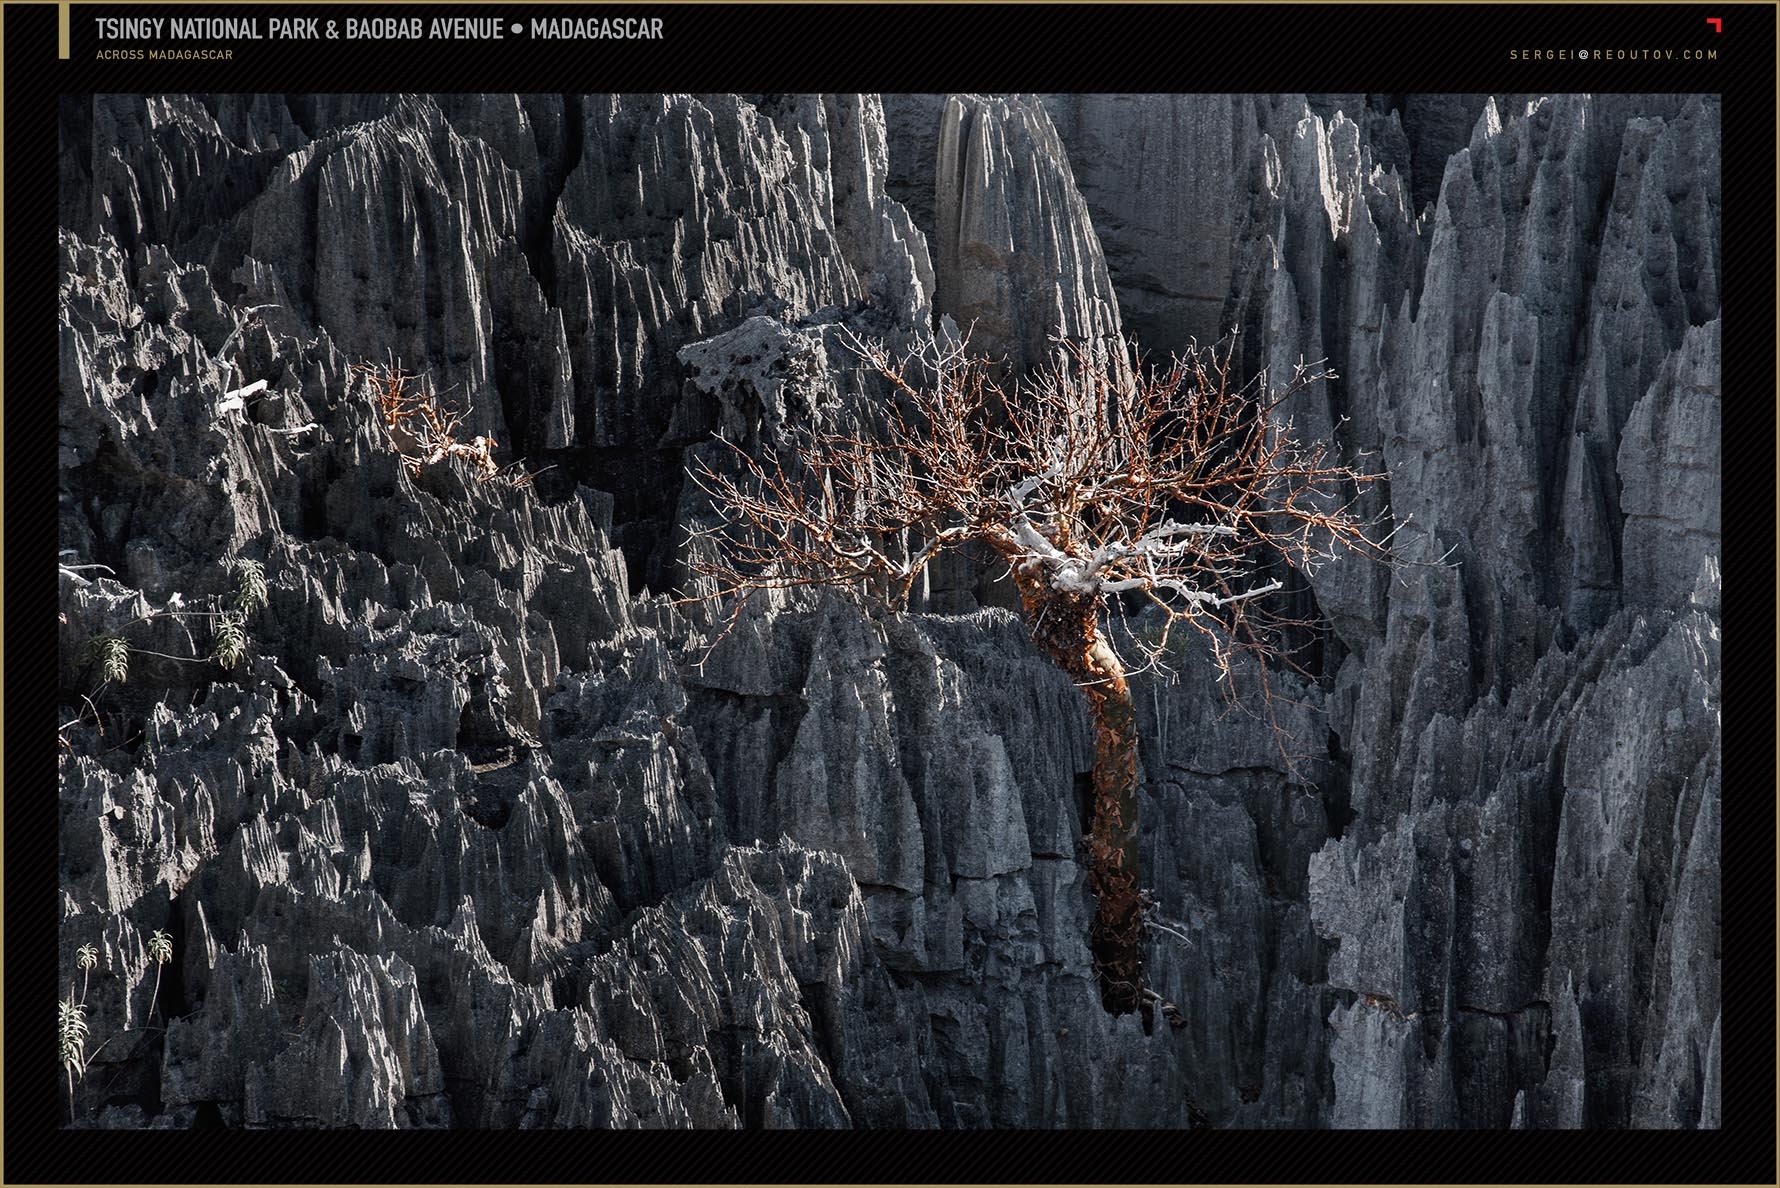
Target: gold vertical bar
[{"x": 62, "y": 29}]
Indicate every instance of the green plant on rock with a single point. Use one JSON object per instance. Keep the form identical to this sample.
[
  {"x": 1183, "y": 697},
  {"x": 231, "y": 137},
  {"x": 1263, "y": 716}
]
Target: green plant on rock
[
  {"x": 110, "y": 657},
  {"x": 230, "y": 642},
  {"x": 73, "y": 1029},
  {"x": 86, "y": 957},
  {"x": 108, "y": 653},
  {"x": 160, "y": 951},
  {"x": 250, "y": 585},
  {"x": 71, "y": 1034}
]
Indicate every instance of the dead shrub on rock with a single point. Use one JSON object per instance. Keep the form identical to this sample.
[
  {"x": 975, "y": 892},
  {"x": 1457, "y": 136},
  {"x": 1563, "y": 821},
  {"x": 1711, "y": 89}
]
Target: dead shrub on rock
[
  {"x": 1095, "y": 478},
  {"x": 420, "y": 425}
]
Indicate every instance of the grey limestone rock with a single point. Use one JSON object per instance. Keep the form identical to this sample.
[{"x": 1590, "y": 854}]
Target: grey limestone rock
[
  {"x": 1159, "y": 176},
  {"x": 481, "y": 833},
  {"x": 1017, "y": 260}
]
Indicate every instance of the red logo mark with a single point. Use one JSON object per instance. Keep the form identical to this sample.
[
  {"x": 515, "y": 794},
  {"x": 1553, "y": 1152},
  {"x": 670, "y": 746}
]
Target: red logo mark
[{"x": 1717, "y": 24}]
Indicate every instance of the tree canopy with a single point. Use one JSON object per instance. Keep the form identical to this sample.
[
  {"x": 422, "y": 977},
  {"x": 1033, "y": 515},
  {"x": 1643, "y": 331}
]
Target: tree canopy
[{"x": 1099, "y": 475}]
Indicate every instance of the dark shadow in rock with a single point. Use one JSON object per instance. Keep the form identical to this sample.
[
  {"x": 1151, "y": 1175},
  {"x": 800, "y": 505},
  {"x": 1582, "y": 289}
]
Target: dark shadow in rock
[{"x": 490, "y": 802}]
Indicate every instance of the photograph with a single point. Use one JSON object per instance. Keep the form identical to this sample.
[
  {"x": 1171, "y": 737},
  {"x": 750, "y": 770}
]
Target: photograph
[{"x": 1092, "y": 609}]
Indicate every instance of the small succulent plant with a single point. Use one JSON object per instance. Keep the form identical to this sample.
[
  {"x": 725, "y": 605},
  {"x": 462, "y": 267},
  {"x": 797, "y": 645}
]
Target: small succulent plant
[
  {"x": 160, "y": 951},
  {"x": 250, "y": 585},
  {"x": 230, "y": 642},
  {"x": 86, "y": 957},
  {"x": 71, "y": 1033},
  {"x": 110, "y": 655},
  {"x": 160, "y": 947}
]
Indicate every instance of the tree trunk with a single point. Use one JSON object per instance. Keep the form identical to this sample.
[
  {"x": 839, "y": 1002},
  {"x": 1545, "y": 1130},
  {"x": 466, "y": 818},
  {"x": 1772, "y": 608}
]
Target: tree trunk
[{"x": 1067, "y": 630}]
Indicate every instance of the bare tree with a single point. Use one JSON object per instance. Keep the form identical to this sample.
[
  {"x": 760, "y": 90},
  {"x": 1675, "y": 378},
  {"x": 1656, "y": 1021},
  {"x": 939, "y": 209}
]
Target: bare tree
[{"x": 1099, "y": 476}]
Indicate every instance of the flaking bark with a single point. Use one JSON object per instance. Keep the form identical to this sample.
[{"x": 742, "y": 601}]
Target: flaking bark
[{"x": 1067, "y": 630}]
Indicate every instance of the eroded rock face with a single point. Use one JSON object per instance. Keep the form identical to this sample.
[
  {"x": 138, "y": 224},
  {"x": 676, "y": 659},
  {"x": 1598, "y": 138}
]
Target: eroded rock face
[
  {"x": 1157, "y": 172},
  {"x": 1017, "y": 260},
  {"x": 1566, "y": 482},
  {"x": 480, "y": 834}
]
